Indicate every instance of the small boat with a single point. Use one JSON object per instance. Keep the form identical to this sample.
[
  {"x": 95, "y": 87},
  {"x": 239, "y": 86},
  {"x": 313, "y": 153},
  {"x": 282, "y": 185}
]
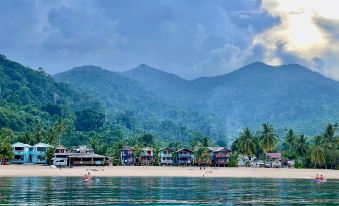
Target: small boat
[{"x": 319, "y": 181}]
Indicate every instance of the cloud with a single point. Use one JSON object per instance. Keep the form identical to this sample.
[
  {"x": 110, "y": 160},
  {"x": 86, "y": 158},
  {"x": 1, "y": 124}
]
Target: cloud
[
  {"x": 307, "y": 34},
  {"x": 190, "y": 38}
]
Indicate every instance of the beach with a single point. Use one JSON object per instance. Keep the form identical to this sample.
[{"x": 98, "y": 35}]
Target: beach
[{"x": 153, "y": 171}]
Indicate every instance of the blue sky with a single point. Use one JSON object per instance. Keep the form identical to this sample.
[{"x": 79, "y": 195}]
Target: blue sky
[{"x": 191, "y": 38}]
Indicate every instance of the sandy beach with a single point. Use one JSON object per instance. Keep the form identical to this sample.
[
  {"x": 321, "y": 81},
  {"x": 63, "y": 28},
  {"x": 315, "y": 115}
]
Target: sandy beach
[{"x": 122, "y": 171}]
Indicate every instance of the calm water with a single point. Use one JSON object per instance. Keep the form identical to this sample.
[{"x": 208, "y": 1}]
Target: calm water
[{"x": 165, "y": 191}]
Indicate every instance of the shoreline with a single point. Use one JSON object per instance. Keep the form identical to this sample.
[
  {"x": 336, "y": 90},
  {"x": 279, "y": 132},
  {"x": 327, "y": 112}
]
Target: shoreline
[{"x": 165, "y": 171}]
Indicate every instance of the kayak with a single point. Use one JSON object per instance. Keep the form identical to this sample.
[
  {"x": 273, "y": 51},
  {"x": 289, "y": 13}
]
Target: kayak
[{"x": 319, "y": 181}]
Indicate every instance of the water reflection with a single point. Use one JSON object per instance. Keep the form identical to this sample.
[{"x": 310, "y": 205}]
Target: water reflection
[{"x": 164, "y": 191}]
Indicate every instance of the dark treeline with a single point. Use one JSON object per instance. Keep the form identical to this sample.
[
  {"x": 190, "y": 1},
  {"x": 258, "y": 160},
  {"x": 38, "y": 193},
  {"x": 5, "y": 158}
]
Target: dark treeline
[{"x": 320, "y": 151}]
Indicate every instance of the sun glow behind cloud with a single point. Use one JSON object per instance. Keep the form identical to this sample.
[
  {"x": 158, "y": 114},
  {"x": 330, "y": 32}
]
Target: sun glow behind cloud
[{"x": 300, "y": 33}]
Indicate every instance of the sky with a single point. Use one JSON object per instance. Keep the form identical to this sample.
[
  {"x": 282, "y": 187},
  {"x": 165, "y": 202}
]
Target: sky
[{"x": 191, "y": 38}]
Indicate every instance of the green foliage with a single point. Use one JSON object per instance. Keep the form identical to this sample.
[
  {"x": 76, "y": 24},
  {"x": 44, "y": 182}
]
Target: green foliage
[
  {"x": 89, "y": 120},
  {"x": 49, "y": 155},
  {"x": 268, "y": 140},
  {"x": 245, "y": 143}
]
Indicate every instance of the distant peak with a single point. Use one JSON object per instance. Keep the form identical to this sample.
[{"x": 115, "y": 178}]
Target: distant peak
[
  {"x": 145, "y": 67},
  {"x": 3, "y": 57}
]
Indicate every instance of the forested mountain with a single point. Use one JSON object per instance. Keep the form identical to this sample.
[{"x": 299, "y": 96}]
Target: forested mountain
[
  {"x": 29, "y": 97},
  {"x": 165, "y": 84},
  {"x": 139, "y": 108},
  {"x": 287, "y": 96},
  {"x": 94, "y": 101}
]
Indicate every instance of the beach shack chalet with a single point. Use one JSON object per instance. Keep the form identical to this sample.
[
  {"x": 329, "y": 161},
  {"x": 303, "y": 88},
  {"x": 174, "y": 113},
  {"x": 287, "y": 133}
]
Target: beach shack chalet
[
  {"x": 25, "y": 153},
  {"x": 185, "y": 157},
  {"x": 22, "y": 153},
  {"x": 127, "y": 156},
  {"x": 60, "y": 157},
  {"x": 165, "y": 156},
  {"x": 146, "y": 156},
  {"x": 40, "y": 153},
  {"x": 273, "y": 160},
  {"x": 83, "y": 156},
  {"x": 219, "y": 156}
]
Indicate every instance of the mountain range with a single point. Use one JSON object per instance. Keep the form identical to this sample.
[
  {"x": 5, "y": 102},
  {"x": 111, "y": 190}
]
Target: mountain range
[
  {"x": 286, "y": 96},
  {"x": 146, "y": 99}
]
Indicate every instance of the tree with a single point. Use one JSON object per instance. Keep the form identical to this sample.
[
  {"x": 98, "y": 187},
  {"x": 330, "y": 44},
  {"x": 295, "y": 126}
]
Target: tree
[
  {"x": 302, "y": 146},
  {"x": 147, "y": 139},
  {"x": 49, "y": 155},
  {"x": 318, "y": 154},
  {"x": 268, "y": 138},
  {"x": 290, "y": 140},
  {"x": 199, "y": 153},
  {"x": 245, "y": 143},
  {"x": 6, "y": 152}
]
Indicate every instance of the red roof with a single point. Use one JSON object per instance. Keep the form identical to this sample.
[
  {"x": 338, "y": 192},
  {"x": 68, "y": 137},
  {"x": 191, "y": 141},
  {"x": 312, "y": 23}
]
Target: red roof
[{"x": 274, "y": 155}]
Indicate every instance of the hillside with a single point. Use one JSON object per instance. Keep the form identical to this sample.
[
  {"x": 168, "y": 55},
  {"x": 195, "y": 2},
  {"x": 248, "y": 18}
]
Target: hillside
[
  {"x": 139, "y": 108},
  {"x": 165, "y": 84},
  {"x": 29, "y": 97},
  {"x": 287, "y": 96}
]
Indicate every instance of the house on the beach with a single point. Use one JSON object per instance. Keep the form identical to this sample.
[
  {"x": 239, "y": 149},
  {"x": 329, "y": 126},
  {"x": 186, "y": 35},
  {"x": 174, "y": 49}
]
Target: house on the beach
[
  {"x": 60, "y": 157},
  {"x": 127, "y": 156},
  {"x": 39, "y": 153},
  {"x": 83, "y": 156},
  {"x": 273, "y": 160},
  {"x": 22, "y": 153},
  {"x": 25, "y": 153},
  {"x": 165, "y": 156},
  {"x": 146, "y": 156},
  {"x": 219, "y": 156},
  {"x": 184, "y": 157}
]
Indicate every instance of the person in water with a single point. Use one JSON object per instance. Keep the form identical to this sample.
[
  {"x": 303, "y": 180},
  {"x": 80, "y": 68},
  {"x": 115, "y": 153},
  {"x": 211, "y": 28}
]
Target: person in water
[
  {"x": 317, "y": 177},
  {"x": 321, "y": 178},
  {"x": 87, "y": 177}
]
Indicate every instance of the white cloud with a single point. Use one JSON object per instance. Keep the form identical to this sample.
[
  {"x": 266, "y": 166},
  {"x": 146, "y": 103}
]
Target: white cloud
[{"x": 303, "y": 33}]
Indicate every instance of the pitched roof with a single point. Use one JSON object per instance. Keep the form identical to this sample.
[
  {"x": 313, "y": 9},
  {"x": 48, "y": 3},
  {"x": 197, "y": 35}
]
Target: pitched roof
[
  {"x": 20, "y": 144},
  {"x": 127, "y": 148},
  {"x": 40, "y": 144},
  {"x": 217, "y": 149},
  {"x": 165, "y": 148},
  {"x": 274, "y": 155},
  {"x": 184, "y": 149},
  {"x": 86, "y": 155}
]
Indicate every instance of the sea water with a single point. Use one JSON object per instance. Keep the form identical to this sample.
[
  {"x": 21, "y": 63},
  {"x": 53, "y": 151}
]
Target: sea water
[{"x": 165, "y": 191}]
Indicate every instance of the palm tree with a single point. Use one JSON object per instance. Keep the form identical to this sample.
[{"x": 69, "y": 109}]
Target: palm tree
[
  {"x": 206, "y": 142},
  {"x": 246, "y": 145},
  {"x": 290, "y": 140},
  {"x": 302, "y": 146},
  {"x": 268, "y": 139},
  {"x": 199, "y": 152},
  {"x": 330, "y": 131},
  {"x": 318, "y": 153}
]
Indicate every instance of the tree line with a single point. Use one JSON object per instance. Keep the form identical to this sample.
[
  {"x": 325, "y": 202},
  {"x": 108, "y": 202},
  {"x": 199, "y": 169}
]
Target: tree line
[{"x": 320, "y": 151}]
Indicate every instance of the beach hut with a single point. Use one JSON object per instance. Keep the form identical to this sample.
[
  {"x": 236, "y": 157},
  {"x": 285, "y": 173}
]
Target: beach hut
[
  {"x": 219, "y": 156},
  {"x": 146, "y": 156},
  {"x": 127, "y": 156},
  {"x": 184, "y": 157},
  {"x": 83, "y": 156},
  {"x": 60, "y": 157},
  {"x": 165, "y": 156},
  {"x": 22, "y": 153},
  {"x": 39, "y": 153},
  {"x": 273, "y": 160}
]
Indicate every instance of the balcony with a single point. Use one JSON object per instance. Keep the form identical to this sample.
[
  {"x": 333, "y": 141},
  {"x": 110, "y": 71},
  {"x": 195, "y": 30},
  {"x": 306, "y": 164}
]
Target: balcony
[{"x": 166, "y": 155}]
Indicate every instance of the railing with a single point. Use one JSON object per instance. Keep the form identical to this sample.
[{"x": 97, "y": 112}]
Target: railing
[
  {"x": 87, "y": 162},
  {"x": 165, "y": 155},
  {"x": 184, "y": 155}
]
